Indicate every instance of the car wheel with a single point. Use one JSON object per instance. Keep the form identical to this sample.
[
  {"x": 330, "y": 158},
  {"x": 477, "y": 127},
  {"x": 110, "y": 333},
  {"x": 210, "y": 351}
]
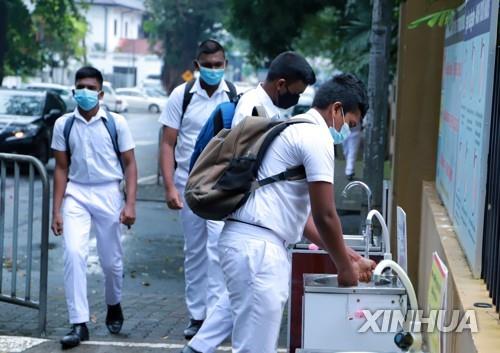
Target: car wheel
[
  {"x": 43, "y": 152},
  {"x": 153, "y": 108}
]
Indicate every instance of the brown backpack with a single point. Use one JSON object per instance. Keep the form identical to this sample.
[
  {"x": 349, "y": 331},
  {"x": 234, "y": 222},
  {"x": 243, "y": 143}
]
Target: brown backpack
[{"x": 225, "y": 173}]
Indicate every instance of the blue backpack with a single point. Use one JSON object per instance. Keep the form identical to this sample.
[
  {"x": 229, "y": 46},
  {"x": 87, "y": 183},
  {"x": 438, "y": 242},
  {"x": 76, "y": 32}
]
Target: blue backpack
[
  {"x": 221, "y": 118},
  {"x": 110, "y": 125}
]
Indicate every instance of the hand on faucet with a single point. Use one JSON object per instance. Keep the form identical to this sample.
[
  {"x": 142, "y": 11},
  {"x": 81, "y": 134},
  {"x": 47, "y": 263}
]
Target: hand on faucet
[{"x": 365, "y": 268}]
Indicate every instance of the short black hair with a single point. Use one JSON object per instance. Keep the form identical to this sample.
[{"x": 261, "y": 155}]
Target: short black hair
[
  {"x": 292, "y": 67},
  {"x": 209, "y": 46},
  {"x": 347, "y": 89},
  {"x": 89, "y": 71}
]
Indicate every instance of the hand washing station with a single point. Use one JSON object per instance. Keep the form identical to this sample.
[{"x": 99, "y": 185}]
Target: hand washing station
[{"x": 334, "y": 315}]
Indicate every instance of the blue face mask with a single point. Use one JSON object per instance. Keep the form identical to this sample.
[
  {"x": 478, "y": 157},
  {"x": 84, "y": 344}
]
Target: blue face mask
[
  {"x": 86, "y": 98},
  {"x": 211, "y": 77},
  {"x": 343, "y": 134}
]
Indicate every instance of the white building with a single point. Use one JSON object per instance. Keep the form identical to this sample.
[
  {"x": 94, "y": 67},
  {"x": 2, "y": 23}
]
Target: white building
[{"x": 115, "y": 42}]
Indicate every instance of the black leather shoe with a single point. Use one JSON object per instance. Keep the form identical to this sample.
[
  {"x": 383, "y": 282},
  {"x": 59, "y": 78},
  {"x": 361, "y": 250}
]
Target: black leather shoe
[
  {"x": 114, "y": 318},
  {"x": 192, "y": 328},
  {"x": 188, "y": 349},
  {"x": 78, "y": 333}
]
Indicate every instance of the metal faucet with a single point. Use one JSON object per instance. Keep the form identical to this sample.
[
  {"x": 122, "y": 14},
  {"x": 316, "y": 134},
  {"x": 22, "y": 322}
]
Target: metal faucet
[
  {"x": 363, "y": 186},
  {"x": 385, "y": 232}
]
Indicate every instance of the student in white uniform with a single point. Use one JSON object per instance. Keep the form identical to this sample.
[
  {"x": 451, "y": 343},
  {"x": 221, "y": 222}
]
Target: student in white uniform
[
  {"x": 203, "y": 278},
  {"x": 87, "y": 192},
  {"x": 253, "y": 254},
  {"x": 351, "y": 147},
  {"x": 219, "y": 323}
]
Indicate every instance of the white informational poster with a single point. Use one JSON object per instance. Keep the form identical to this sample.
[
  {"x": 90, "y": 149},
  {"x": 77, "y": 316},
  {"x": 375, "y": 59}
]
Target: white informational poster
[{"x": 469, "y": 63}]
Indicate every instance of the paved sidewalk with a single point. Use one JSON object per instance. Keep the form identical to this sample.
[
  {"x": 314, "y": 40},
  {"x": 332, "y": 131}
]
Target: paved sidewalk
[{"x": 153, "y": 296}]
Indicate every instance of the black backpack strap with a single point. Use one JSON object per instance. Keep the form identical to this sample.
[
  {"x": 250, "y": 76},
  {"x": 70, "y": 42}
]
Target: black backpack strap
[
  {"x": 188, "y": 95},
  {"x": 110, "y": 125},
  {"x": 233, "y": 93},
  {"x": 294, "y": 173},
  {"x": 68, "y": 124}
]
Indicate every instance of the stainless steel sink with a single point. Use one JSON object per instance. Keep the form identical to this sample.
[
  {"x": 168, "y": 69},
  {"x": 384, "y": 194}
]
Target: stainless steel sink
[
  {"x": 323, "y": 283},
  {"x": 354, "y": 241}
]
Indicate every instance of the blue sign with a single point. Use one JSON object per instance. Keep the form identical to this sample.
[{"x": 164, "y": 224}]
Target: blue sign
[{"x": 467, "y": 89}]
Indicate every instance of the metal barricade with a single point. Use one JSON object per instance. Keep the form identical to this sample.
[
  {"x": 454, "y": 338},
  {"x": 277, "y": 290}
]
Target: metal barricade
[{"x": 11, "y": 182}]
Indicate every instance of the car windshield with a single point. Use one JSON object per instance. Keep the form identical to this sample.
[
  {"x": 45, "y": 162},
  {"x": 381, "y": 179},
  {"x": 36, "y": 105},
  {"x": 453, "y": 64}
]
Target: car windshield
[
  {"x": 17, "y": 103},
  {"x": 153, "y": 92}
]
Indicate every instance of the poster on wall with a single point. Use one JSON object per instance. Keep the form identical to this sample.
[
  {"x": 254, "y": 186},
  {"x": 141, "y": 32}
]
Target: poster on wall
[{"x": 466, "y": 98}]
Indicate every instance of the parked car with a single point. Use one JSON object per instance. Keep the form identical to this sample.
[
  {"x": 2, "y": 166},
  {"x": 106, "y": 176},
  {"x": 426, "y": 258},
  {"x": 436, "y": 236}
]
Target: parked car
[
  {"x": 27, "y": 119},
  {"x": 143, "y": 99},
  {"x": 63, "y": 91},
  {"x": 112, "y": 101}
]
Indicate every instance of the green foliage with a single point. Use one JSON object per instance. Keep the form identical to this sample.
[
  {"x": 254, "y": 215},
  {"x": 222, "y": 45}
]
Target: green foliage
[
  {"x": 270, "y": 26},
  {"x": 61, "y": 31},
  {"x": 181, "y": 25},
  {"x": 22, "y": 50},
  {"x": 440, "y": 18},
  {"x": 49, "y": 36}
]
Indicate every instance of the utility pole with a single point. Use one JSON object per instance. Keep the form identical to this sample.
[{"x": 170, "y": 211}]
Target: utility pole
[{"x": 378, "y": 83}]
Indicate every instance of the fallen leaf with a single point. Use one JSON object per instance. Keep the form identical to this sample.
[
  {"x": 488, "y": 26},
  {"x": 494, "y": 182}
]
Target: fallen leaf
[{"x": 93, "y": 318}]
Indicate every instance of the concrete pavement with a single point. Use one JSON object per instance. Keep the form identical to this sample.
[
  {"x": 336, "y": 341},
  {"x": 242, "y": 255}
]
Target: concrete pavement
[{"x": 153, "y": 297}]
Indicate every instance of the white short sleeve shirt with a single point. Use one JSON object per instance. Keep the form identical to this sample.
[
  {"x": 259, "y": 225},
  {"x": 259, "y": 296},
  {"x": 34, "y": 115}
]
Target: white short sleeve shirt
[
  {"x": 93, "y": 158},
  {"x": 252, "y": 98},
  {"x": 197, "y": 113},
  {"x": 284, "y": 206}
]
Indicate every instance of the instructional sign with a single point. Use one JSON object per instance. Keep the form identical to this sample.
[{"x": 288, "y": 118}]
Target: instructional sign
[{"x": 467, "y": 89}]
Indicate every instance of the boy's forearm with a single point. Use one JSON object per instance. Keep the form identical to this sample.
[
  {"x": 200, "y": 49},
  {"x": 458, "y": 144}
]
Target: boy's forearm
[{"x": 60, "y": 182}]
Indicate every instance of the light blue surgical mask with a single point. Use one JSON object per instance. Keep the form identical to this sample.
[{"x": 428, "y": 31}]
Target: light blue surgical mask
[
  {"x": 86, "y": 99},
  {"x": 343, "y": 134},
  {"x": 211, "y": 77}
]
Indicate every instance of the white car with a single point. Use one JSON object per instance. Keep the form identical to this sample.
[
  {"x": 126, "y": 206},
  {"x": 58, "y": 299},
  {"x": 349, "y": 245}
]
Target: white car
[
  {"x": 112, "y": 101},
  {"x": 145, "y": 99},
  {"x": 62, "y": 91}
]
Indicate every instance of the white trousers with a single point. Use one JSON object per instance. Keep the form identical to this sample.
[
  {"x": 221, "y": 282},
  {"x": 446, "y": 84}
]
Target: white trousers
[
  {"x": 83, "y": 206},
  {"x": 203, "y": 277},
  {"x": 256, "y": 270},
  {"x": 351, "y": 147}
]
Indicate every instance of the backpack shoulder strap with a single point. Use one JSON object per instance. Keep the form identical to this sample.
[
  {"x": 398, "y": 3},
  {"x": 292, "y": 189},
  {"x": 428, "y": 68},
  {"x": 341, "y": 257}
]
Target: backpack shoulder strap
[
  {"x": 110, "y": 125},
  {"x": 293, "y": 173},
  {"x": 188, "y": 95},
  {"x": 233, "y": 93},
  {"x": 68, "y": 124}
]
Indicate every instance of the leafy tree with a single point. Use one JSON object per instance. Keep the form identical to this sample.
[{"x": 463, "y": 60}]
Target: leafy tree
[
  {"x": 19, "y": 50},
  {"x": 61, "y": 33},
  {"x": 50, "y": 35},
  {"x": 181, "y": 25}
]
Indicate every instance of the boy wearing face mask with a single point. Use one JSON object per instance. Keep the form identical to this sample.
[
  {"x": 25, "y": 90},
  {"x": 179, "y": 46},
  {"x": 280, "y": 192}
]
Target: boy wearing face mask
[
  {"x": 288, "y": 76},
  {"x": 87, "y": 192},
  {"x": 181, "y": 126}
]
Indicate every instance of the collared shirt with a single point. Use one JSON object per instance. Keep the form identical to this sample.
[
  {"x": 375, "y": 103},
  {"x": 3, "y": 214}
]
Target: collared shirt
[
  {"x": 252, "y": 98},
  {"x": 197, "y": 113},
  {"x": 93, "y": 158},
  {"x": 284, "y": 206}
]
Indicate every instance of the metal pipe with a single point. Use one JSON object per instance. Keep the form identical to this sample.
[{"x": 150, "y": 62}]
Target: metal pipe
[
  {"x": 29, "y": 258},
  {"x": 385, "y": 231},
  {"x": 15, "y": 231},
  {"x": 363, "y": 186},
  {"x": 2, "y": 217}
]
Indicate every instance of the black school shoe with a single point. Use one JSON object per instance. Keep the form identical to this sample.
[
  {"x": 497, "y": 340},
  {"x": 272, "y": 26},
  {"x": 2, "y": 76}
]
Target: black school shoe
[
  {"x": 78, "y": 333},
  {"x": 192, "y": 328},
  {"x": 114, "y": 319}
]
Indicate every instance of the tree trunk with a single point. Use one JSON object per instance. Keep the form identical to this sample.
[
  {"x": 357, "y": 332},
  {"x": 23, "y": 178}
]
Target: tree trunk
[
  {"x": 3, "y": 37},
  {"x": 378, "y": 83}
]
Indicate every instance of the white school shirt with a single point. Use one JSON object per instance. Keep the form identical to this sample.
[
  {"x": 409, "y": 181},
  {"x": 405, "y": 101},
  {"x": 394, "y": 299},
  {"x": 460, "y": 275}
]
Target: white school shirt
[
  {"x": 252, "y": 98},
  {"x": 197, "y": 113},
  {"x": 93, "y": 158},
  {"x": 284, "y": 206}
]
